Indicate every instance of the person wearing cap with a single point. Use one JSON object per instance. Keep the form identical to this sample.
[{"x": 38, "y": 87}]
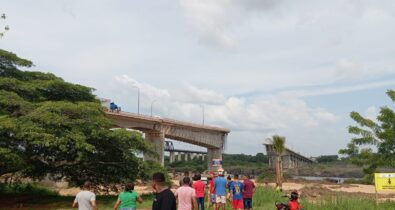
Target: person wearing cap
[{"x": 220, "y": 190}]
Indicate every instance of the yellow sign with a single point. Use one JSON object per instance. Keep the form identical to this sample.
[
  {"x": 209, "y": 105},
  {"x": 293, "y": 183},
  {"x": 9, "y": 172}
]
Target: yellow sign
[{"x": 384, "y": 181}]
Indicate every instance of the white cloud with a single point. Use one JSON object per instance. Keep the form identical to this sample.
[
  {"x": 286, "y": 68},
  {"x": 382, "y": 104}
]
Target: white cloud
[
  {"x": 318, "y": 91},
  {"x": 263, "y": 115},
  {"x": 371, "y": 113},
  {"x": 210, "y": 20},
  {"x": 192, "y": 94},
  {"x": 124, "y": 82}
]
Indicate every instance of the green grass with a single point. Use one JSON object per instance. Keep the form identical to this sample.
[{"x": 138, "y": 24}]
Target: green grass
[{"x": 38, "y": 198}]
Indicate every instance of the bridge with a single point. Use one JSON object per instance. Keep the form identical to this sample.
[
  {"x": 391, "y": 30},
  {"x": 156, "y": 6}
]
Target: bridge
[
  {"x": 169, "y": 147},
  {"x": 290, "y": 159},
  {"x": 156, "y": 129}
]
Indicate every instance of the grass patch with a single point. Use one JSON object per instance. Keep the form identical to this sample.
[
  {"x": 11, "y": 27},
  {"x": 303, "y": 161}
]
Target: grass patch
[{"x": 36, "y": 197}]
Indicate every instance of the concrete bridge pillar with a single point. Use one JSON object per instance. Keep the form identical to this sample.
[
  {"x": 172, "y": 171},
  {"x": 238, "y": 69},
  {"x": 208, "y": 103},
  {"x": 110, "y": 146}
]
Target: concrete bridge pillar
[
  {"x": 203, "y": 156},
  {"x": 192, "y": 156},
  {"x": 172, "y": 157},
  {"x": 186, "y": 156},
  {"x": 179, "y": 156},
  {"x": 213, "y": 153},
  {"x": 157, "y": 139}
]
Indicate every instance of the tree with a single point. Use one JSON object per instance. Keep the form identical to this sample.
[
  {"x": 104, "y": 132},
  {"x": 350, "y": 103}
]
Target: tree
[
  {"x": 374, "y": 143},
  {"x": 327, "y": 158},
  {"x": 279, "y": 149},
  {"x": 49, "y": 126}
]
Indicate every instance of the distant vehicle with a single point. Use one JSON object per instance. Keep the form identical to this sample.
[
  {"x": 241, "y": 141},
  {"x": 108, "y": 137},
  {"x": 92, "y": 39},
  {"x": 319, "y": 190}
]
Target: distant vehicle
[{"x": 114, "y": 107}]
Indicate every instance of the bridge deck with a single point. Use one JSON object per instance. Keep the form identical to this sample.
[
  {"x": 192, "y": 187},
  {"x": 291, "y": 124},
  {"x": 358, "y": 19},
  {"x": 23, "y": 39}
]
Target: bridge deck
[
  {"x": 168, "y": 121},
  {"x": 185, "y": 151}
]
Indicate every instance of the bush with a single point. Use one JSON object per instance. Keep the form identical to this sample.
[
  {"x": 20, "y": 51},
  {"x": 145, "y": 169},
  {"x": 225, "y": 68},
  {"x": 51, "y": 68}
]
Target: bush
[
  {"x": 151, "y": 167},
  {"x": 26, "y": 189},
  {"x": 267, "y": 175}
]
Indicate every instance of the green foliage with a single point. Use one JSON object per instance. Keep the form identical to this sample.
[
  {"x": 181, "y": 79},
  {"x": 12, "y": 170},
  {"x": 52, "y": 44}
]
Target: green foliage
[
  {"x": 327, "y": 158},
  {"x": 11, "y": 61},
  {"x": 247, "y": 160},
  {"x": 266, "y": 176},
  {"x": 25, "y": 189},
  {"x": 278, "y": 144},
  {"x": 151, "y": 167},
  {"x": 51, "y": 126},
  {"x": 233, "y": 163},
  {"x": 374, "y": 143},
  {"x": 195, "y": 165}
]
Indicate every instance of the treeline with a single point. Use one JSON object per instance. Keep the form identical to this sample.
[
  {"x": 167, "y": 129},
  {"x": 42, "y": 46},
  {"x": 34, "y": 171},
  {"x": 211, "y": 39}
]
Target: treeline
[{"x": 233, "y": 163}]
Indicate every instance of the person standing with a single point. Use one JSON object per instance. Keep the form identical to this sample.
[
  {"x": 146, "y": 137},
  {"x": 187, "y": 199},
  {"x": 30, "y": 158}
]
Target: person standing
[
  {"x": 164, "y": 199},
  {"x": 236, "y": 192},
  {"x": 200, "y": 188},
  {"x": 128, "y": 199},
  {"x": 249, "y": 189},
  {"x": 186, "y": 174},
  {"x": 211, "y": 192},
  {"x": 229, "y": 179},
  {"x": 85, "y": 200},
  {"x": 220, "y": 190},
  {"x": 186, "y": 196}
]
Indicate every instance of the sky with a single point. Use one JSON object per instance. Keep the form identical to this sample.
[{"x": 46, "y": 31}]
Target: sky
[{"x": 257, "y": 67}]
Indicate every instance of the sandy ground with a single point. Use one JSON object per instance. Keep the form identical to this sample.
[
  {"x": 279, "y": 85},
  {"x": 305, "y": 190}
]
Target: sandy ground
[{"x": 287, "y": 186}]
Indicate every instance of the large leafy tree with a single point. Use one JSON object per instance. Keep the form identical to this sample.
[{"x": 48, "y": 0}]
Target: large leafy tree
[
  {"x": 49, "y": 126},
  {"x": 374, "y": 143}
]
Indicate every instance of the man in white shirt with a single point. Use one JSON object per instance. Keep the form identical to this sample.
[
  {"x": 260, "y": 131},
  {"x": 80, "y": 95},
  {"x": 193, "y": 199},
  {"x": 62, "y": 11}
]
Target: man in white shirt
[{"x": 85, "y": 200}]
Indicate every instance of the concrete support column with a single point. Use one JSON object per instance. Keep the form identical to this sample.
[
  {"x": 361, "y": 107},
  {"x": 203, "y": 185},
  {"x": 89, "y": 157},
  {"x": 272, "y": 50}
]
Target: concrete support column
[
  {"x": 179, "y": 156},
  {"x": 157, "y": 139},
  {"x": 192, "y": 156},
  {"x": 186, "y": 156},
  {"x": 213, "y": 153},
  {"x": 203, "y": 156},
  {"x": 172, "y": 157}
]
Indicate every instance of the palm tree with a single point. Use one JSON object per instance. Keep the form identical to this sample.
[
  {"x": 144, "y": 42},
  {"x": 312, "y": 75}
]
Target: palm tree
[{"x": 279, "y": 149}]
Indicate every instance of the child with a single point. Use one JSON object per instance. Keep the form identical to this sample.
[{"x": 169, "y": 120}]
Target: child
[{"x": 293, "y": 201}]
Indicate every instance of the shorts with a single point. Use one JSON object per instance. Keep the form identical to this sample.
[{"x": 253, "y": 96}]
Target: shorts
[
  {"x": 220, "y": 199},
  {"x": 238, "y": 204},
  {"x": 212, "y": 198},
  {"x": 248, "y": 203}
]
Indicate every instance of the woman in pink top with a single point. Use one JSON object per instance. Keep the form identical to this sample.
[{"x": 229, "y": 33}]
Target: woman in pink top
[
  {"x": 200, "y": 188},
  {"x": 186, "y": 196}
]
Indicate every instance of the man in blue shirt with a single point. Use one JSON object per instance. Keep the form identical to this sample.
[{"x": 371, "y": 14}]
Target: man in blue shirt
[
  {"x": 236, "y": 191},
  {"x": 220, "y": 189}
]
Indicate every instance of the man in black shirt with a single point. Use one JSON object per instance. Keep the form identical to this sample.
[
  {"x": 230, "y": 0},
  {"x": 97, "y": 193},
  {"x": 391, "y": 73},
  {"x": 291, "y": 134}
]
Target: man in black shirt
[{"x": 164, "y": 199}]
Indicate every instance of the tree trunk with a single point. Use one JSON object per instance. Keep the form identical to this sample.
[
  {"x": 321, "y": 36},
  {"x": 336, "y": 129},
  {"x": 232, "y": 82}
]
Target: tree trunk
[
  {"x": 278, "y": 170},
  {"x": 281, "y": 171}
]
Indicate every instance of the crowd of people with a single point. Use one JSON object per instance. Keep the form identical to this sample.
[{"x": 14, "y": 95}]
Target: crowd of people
[{"x": 189, "y": 196}]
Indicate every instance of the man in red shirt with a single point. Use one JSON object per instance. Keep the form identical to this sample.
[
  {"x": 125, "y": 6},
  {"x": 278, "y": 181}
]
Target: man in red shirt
[
  {"x": 200, "y": 188},
  {"x": 249, "y": 189},
  {"x": 211, "y": 191}
]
